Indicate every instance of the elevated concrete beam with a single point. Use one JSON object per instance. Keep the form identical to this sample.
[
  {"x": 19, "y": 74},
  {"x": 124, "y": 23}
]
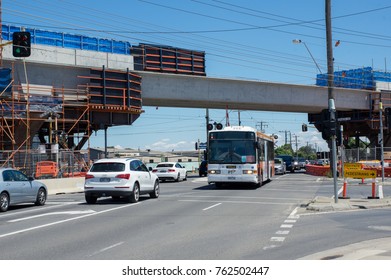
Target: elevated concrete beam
[
  {"x": 73, "y": 57},
  {"x": 169, "y": 90}
]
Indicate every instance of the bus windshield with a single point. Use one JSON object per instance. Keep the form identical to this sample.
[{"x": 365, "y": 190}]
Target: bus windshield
[{"x": 232, "y": 151}]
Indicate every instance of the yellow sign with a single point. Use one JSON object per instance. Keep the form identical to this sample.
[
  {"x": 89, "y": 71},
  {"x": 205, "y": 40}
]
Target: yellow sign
[
  {"x": 360, "y": 173},
  {"x": 352, "y": 166}
]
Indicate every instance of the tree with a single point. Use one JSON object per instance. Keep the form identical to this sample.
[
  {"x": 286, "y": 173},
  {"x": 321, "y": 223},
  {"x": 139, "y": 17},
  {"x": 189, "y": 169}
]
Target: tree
[
  {"x": 284, "y": 150},
  {"x": 307, "y": 152}
]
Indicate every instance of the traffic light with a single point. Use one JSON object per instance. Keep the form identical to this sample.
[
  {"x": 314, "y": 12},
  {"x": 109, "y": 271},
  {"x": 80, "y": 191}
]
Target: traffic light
[
  {"x": 304, "y": 127},
  {"x": 21, "y": 44}
]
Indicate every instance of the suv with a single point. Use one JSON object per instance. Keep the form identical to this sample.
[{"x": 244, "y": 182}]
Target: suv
[
  {"x": 120, "y": 177},
  {"x": 291, "y": 164}
]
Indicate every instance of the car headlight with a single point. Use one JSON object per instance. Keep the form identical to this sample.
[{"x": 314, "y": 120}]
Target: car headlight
[{"x": 214, "y": 172}]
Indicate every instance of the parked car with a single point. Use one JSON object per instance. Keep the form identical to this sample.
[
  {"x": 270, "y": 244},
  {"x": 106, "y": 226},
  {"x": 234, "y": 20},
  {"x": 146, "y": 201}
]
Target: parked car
[
  {"x": 120, "y": 177},
  {"x": 170, "y": 171},
  {"x": 203, "y": 169},
  {"x": 16, "y": 187},
  {"x": 291, "y": 163},
  {"x": 279, "y": 166},
  {"x": 302, "y": 163}
]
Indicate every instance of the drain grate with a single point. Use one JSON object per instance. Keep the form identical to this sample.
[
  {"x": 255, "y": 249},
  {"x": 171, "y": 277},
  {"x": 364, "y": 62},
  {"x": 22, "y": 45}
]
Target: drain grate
[{"x": 332, "y": 257}]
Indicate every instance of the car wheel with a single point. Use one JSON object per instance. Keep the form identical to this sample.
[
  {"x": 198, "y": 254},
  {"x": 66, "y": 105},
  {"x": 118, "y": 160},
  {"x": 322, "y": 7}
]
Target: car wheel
[
  {"x": 135, "y": 196},
  {"x": 41, "y": 197},
  {"x": 177, "y": 178},
  {"x": 156, "y": 190},
  {"x": 4, "y": 202},
  {"x": 185, "y": 179},
  {"x": 90, "y": 199}
]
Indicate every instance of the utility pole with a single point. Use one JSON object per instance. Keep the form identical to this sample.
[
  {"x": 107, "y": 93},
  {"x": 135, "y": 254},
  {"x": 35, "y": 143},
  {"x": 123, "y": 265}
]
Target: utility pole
[
  {"x": 331, "y": 95},
  {"x": 262, "y": 125}
]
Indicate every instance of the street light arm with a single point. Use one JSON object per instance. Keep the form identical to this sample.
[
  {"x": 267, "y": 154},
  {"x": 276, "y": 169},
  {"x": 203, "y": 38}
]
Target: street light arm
[{"x": 320, "y": 71}]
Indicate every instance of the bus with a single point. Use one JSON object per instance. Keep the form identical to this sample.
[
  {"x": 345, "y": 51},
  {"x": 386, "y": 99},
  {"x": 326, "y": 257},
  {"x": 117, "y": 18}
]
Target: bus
[{"x": 239, "y": 154}]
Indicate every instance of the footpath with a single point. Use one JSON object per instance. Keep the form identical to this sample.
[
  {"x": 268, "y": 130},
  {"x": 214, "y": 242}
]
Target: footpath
[{"x": 375, "y": 249}]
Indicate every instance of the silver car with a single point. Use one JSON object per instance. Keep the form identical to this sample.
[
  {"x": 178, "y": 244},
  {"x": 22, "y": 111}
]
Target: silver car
[
  {"x": 279, "y": 166},
  {"x": 16, "y": 188},
  {"x": 120, "y": 177}
]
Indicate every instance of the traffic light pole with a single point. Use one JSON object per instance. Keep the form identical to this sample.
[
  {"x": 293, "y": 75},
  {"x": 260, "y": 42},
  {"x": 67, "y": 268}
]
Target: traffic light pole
[{"x": 331, "y": 95}]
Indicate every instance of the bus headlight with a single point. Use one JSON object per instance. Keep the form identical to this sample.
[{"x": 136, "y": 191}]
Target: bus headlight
[
  {"x": 250, "y": 172},
  {"x": 214, "y": 171}
]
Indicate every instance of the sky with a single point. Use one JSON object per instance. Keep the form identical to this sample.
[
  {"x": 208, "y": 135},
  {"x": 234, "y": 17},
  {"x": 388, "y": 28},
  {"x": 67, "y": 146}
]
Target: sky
[{"x": 245, "y": 39}]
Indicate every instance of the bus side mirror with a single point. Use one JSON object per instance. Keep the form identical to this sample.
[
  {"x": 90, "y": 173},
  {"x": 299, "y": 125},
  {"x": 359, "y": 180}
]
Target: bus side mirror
[{"x": 257, "y": 145}]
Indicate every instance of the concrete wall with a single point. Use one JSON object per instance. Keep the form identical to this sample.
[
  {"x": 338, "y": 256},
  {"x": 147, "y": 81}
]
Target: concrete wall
[
  {"x": 73, "y": 57},
  {"x": 64, "y": 185}
]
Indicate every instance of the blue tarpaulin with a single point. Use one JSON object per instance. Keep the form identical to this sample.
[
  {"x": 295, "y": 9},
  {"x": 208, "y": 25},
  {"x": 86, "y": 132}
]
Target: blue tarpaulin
[{"x": 5, "y": 80}]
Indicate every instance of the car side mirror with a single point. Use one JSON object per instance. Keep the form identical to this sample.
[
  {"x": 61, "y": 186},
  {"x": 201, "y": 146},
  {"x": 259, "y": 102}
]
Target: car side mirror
[
  {"x": 31, "y": 178},
  {"x": 150, "y": 168}
]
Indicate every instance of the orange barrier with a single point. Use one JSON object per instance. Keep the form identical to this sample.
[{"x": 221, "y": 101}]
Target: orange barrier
[{"x": 46, "y": 169}]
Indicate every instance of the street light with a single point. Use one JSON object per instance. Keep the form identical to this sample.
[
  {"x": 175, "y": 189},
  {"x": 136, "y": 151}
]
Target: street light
[{"x": 297, "y": 41}]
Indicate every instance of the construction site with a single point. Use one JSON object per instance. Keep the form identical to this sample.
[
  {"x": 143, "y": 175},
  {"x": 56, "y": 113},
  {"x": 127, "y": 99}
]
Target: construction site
[{"x": 46, "y": 121}]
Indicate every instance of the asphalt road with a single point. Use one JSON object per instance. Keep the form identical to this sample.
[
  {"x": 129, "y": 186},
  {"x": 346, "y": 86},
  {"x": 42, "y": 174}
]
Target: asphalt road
[{"x": 191, "y": 220}]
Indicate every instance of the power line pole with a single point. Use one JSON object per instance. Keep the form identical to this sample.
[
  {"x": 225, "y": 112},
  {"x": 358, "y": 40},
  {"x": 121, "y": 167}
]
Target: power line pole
[{"x": 331, "y": 95}]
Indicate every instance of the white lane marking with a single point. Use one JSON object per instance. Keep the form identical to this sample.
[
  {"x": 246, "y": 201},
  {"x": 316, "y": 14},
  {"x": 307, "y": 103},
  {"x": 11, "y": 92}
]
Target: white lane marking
[
  {"x": 237, "y": 197},
  {"x": 290, "y": 221},
  {"x": 106, "y": 249},
  {"x": 66, "y": 220},
  {"x": 277, "y": 239},
  {"x": 293, "y": 215},
  {"x": 286, "y": 226},
  {"x": 53, "y": 213},
  {"x": 207, "y": 208},
  {"x": 34, "y": 209},
  {"x": 230, "y": 201},
  {"x": 282, "y": 232},
  {"x": 385, "y": 228}
]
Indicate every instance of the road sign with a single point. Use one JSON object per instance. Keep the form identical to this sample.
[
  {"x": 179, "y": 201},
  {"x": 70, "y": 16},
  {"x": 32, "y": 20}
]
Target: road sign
[
  {"x": 360, "y": 173},
  {"x": 351, "y": 166},
  {"x": 202, "y": 146}
]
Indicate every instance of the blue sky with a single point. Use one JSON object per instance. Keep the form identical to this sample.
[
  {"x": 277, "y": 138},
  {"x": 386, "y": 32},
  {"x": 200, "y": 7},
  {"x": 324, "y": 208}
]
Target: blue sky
[{"x": 244, "y": 39}]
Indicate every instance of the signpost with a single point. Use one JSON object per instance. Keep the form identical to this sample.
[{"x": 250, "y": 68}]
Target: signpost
[{"x": 353, "y": 170}]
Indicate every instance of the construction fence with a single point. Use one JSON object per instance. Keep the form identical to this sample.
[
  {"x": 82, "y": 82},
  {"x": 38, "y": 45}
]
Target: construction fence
[{"x": 46, "y": 163}]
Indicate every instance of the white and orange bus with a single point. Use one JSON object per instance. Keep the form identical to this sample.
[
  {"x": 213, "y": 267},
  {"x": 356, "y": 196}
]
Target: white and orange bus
[{"x": 239, "y": 154}]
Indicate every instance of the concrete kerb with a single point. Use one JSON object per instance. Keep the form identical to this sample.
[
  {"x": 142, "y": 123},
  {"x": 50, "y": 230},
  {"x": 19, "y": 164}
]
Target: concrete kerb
[
  {"x": 325, "y": 204},
  {"x": 64, "y": 185}
]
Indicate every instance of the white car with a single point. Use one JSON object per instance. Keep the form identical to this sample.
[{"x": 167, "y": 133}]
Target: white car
[
  {"x": 120, "y": 177},
  {"x": 170, "y": 171}
]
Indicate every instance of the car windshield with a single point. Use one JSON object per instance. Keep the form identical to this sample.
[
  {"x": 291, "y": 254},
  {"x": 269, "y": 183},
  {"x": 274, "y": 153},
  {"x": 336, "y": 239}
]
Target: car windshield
[
  {"x": 108, "y": 167},
  {"x": 277, "y": 160},
  {"x": 165, "y": 165}
]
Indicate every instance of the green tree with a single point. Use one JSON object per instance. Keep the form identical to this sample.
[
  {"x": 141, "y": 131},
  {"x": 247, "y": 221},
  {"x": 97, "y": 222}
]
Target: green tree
[
  {"x": 307, "y": 152},
  {"x": 284, "y": 150}
]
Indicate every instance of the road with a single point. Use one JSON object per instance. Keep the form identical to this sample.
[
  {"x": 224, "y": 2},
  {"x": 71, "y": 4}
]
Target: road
[{"x": 191, "y": 220}]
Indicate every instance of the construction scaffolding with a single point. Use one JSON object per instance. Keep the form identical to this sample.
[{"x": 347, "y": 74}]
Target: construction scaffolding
[{"x": 44, "y": 123}]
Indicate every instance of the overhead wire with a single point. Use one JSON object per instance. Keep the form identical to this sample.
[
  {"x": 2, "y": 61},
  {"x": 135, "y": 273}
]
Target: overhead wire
[{"x": 244, "y": 52}]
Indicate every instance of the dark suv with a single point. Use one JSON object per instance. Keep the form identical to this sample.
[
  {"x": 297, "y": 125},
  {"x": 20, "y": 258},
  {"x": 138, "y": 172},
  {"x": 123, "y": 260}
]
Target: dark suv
[
  {"x": 291, "y": 163},
  {"x": 203, "y": 169}
]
